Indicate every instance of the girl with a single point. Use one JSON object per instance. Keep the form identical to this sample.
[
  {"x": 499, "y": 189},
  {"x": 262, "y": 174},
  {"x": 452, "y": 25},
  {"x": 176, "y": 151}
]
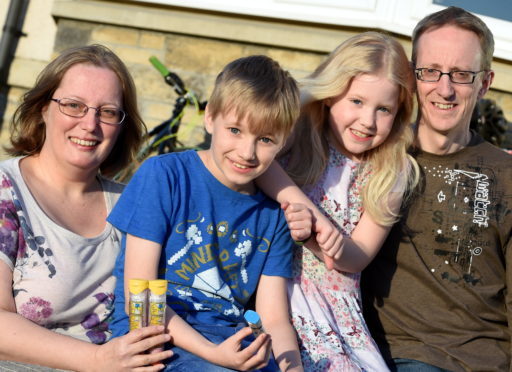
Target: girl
[{"x": 348, "y": 154}]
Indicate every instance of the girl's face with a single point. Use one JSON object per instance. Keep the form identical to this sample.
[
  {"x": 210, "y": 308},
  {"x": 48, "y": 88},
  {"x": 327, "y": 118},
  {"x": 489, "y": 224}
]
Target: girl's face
[
  {"x": 361, "y": 118},
  {"x": 82, "y": 143}
]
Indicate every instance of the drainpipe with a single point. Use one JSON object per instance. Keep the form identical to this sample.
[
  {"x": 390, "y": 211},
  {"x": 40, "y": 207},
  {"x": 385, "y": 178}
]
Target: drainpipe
[
  {"x": 11, "y": 34},
  {"x": 8, "y": 43}
]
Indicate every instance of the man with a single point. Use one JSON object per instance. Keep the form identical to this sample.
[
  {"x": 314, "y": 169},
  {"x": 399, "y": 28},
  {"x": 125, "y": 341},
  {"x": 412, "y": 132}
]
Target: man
[{"x": 437, "y": 295}]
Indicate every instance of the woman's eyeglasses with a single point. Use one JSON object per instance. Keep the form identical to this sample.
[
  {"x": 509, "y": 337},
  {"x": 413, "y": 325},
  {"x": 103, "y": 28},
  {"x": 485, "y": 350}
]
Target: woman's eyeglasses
[{"x": 77, "y": 109}]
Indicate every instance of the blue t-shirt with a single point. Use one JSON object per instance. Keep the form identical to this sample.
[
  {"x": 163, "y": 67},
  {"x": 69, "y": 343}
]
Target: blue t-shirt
[{"x": 216, "y": 242}]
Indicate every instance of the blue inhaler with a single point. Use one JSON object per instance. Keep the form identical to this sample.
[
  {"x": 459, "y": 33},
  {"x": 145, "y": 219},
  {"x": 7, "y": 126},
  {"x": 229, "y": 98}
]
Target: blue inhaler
[{"x": 253, "y": 320}]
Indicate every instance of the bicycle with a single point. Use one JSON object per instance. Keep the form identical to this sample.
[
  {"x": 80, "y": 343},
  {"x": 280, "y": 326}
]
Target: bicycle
[{"x": 163, "y": 138}]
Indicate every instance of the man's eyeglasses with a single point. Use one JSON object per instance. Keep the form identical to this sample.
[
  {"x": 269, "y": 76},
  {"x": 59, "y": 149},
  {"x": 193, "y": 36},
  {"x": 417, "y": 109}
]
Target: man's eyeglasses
[
  {"x": 432, "y": 75},
  {"x": 77, "y": 109}
]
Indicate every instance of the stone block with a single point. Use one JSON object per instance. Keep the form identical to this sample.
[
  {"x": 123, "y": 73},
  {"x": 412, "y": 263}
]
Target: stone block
[
  {"x": 4, "y": 139},
  {"x": 150, "y": 84},
  {"x": 158, "y": 110},
  {"x": 72, "y": 34},
  {"x": 298, "y": 63},
  {"x": 15, "y": 94},
  {"x": 23, "y": 72},
  {"x": 200, "y": 55},
  {"x": 115, "y": 35},
  {"x": 133, "y": 55},
  {"x": 152, "y": 40}
]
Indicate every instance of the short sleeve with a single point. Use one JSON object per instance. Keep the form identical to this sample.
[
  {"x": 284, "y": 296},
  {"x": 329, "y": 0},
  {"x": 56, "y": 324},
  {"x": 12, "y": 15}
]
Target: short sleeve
[
  {"x": 11, "y": 236},
  {"x": 279, "y": 260},
  {"x": 144, "y": 208}
]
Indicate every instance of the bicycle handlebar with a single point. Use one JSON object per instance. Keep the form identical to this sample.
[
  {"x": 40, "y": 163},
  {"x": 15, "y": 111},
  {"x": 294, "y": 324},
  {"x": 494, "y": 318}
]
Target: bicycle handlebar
[
  {"x": 159, "y": 66},
  {"x": 170, "y": 77}
]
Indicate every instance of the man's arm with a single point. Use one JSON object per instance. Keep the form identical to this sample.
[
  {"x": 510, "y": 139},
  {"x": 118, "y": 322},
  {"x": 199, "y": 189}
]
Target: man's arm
[
  {"x": 272, "y": 306},
  {"x": 508, "y": 292}
]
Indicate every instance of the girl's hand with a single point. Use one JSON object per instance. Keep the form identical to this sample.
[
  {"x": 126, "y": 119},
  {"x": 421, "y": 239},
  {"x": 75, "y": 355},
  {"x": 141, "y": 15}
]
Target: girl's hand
[
  {"x": 299, "y": 219},
  {"x": 230, "y": 354},
  {"x": 129, "y": 351}
]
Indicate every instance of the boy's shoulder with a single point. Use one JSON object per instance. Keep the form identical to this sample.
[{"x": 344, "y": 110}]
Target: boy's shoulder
[
  {"x": 174, "y": 157},
  {"x": 171, "y": 162}
]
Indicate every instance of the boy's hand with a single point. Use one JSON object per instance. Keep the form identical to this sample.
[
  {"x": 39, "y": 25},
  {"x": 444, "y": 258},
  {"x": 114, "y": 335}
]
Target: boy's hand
[
  {"x": 231, "y": 355},
  {"x": 129, "y": 351},
  {"x": 329, "y": 239},
  {"x": 299, "y": 219}
]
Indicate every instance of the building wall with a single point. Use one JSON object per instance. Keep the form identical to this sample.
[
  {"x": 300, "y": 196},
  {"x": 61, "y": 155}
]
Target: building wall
[
  {"x": 193, "y": 43},
  {"x": 34, "y": 51}
]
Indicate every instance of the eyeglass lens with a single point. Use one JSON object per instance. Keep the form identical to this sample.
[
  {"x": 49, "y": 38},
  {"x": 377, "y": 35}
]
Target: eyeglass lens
[
  {"x": 432, "y": 75},
  {"x": 108, "y": 115}
]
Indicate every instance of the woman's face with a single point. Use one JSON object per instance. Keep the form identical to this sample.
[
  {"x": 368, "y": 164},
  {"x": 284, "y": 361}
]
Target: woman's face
[{"x": 82, "y": 143}]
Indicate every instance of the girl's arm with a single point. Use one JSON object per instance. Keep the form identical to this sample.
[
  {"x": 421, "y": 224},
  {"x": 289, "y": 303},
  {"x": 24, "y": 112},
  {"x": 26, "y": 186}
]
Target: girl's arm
[
  {"x": 141, "y": 261},
  {"x": 276, "y": 183},
  {"x": 272, "y": 306},
  {"x": 27, "y": 342},
  {"x": 354, "y": 253},
  {"x": 342, "y": 253}
]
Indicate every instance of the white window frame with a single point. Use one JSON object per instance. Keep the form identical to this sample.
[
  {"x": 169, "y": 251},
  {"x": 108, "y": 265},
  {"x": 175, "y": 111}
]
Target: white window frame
[{"x": 399, "y": 16}]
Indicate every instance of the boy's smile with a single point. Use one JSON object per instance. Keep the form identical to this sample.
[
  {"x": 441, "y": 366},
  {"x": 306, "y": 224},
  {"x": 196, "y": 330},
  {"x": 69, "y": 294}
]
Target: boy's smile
[{"x": 237, "y": 156}]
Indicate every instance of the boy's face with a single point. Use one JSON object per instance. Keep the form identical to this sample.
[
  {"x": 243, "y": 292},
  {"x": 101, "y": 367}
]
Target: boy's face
[{"x": 237, "y": 155}]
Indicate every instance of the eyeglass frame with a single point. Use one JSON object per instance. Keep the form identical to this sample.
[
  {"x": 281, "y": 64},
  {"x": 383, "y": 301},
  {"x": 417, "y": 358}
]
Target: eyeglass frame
[
  {"x": 418, "y": 73},
  {"x": 97, "y": 109}
]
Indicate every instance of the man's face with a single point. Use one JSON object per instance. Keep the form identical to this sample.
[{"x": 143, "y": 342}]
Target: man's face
[{"x": 446, "y": 107}]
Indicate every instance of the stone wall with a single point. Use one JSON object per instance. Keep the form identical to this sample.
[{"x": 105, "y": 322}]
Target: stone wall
[
  {"x": 194, "y": 44},
  {"x": 196, "y": 60}
]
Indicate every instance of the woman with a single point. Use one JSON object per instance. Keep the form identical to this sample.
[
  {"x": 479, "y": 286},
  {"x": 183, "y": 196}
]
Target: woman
[{"x": 77, "y": 126}]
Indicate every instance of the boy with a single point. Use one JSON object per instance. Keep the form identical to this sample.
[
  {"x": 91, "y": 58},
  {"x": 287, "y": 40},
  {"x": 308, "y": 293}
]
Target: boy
[{"x": 198, "y": 220}]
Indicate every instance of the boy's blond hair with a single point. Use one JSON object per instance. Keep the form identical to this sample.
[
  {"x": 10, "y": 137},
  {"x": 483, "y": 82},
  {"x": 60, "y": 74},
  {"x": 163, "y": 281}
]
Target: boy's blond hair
[{"x": 256, "y": 88}]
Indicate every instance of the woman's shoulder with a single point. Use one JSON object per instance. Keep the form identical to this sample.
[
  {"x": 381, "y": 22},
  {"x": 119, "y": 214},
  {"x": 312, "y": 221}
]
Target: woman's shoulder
[
  {"x": 10, "y": 174},
  {"x": 10, "y": 166},
  {"x": 111, "y": 186}
]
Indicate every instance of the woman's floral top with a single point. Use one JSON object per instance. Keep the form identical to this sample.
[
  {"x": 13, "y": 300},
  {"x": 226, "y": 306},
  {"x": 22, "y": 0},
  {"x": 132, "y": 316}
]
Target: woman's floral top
[
  {"x": 61, "y": 280},
  {"x": 326, "y": 305}
]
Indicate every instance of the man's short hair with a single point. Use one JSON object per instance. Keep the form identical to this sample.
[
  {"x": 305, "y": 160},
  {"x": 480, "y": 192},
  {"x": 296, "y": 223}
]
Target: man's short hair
[
  {"x": 258, "y": 89},
  {"x": 461, "y": 18}
]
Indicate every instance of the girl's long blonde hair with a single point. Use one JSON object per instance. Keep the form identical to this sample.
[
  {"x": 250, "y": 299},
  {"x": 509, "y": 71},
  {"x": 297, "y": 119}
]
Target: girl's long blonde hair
[{"x": 389, "y": 164}]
